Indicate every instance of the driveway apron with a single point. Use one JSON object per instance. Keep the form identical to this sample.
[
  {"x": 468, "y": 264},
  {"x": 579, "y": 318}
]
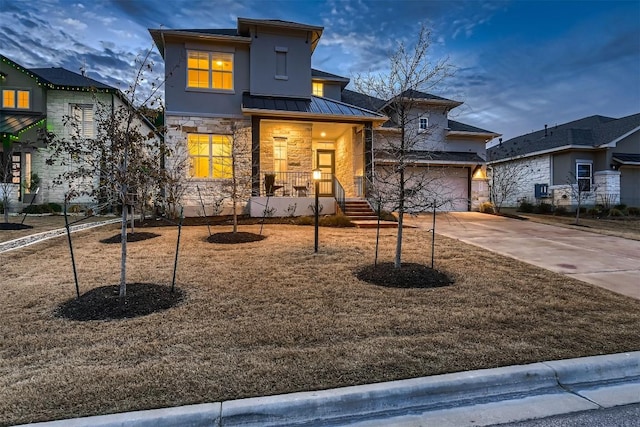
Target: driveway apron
[{"x": 609, "y": 262}]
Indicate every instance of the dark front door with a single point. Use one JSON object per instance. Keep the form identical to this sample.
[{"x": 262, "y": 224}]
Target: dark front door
[{"x": 325, "y": 160}]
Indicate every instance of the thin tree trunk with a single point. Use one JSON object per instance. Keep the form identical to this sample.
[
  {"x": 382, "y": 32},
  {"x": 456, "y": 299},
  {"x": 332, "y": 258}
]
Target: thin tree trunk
[{"x": 123, "y": 253}]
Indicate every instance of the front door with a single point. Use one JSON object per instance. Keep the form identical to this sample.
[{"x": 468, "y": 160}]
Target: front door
[{"x": 325, "y": 161}]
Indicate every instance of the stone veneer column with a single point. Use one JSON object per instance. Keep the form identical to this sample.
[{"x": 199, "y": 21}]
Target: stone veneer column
[
  {"x": 479, "y": 192},
  {"x": 368, "y": 158},
  {"x": 255, "y": 156},
  {"x": 607, "y": 183}
]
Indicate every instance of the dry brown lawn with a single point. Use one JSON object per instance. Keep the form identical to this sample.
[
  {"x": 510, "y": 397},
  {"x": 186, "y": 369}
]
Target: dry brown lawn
[{"x": 271, "y": 317}]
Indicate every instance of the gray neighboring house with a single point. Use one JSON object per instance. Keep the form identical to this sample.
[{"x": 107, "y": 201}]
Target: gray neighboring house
[
  {"x": 39, "y": 98},
  {"x": 602, "y": 152},
  {"x": 252, "y": 90}
]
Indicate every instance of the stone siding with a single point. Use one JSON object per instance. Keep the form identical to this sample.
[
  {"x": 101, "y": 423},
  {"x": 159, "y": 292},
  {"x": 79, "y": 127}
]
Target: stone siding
[{"x": 526, "y": 173}]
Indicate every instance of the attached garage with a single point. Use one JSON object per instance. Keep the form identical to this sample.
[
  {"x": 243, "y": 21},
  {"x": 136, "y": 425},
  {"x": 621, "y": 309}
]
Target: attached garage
[{"x": 450, "y": 186}]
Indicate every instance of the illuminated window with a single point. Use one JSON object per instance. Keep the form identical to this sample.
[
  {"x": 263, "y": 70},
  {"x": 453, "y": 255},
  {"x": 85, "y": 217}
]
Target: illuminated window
[
  {"x": 19, "y": 99},
  {"x": 318, "y": 89},
  {"x": 280, "y": 154},
  {"x": 83, "y": 116},
  {"x": 210, "y": 70},
  {"x": 210, "y": 155}
]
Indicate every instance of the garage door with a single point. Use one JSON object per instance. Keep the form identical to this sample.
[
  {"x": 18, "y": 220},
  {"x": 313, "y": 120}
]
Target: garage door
[{"x": 449, "y": 186}]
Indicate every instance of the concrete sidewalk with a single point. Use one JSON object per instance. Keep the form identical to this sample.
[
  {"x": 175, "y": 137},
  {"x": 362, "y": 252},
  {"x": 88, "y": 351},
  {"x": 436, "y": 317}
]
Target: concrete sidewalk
[
  {"x": 472, "y": 398},
  {"x": 606, "y": 261}
]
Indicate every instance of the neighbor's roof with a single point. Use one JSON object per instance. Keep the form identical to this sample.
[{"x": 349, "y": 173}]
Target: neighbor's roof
[
  {"x": 314, "y": 108},
  {"x": 627, "y": 158},
  {"x": 432, "y": 157},
  {"x": 589, "y": 132},
  {"x": 62, "y": 77},
  {"x": 13, "y": 124}
]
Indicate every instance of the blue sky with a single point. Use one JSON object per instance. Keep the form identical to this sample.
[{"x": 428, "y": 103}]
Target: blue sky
[{"x": 520, "y": 64}]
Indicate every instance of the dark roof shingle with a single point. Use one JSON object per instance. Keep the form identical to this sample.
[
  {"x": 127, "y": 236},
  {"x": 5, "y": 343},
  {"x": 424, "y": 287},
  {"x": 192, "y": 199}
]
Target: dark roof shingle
[{"x": 62, "y": 77}]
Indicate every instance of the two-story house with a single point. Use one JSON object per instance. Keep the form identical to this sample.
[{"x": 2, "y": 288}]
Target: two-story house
[
  {"x": 247, "y": 98},
  {"x": 39, "y": 98}
]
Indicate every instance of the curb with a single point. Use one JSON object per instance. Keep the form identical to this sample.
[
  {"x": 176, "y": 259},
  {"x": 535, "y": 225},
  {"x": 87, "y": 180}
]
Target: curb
[
  {"x": 557, "y": 387},
  {"x": 46, "y": 235}
]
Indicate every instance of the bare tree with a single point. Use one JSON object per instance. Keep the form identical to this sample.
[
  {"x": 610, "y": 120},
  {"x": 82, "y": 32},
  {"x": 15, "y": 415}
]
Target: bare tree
[
  {"x": 405, "y": 184},
  {"x": 122, "y": 156},
  {"x": 506, "y": 182},
  {"x": 581, "y": 189}
]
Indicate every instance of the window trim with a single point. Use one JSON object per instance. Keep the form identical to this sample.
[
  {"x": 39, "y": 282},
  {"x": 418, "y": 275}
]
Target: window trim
[
  {"x": 82, "y": 128},
  {"x": 16, "y": 99},
  {"x": 210, "y": 72},
  {"x": 588, "y": 163},
  {"x": 420, "y": 128},
  {"x": 211, "y": 157}
]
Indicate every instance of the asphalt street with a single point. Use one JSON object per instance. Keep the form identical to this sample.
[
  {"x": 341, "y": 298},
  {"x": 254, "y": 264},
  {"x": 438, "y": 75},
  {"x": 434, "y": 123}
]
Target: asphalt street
[{"x": 620, "y": 416}]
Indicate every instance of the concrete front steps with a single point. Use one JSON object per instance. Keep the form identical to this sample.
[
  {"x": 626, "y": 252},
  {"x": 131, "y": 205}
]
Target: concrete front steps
[{"x": 363, "y": 216}]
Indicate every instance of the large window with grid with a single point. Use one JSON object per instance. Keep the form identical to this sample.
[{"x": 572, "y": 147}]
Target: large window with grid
[
  {"x": 210, "y": 70},
  {"x": 210, "y": 155},
  {"x": 84, "y": 120},
  {"x": 15, "y": 98}
]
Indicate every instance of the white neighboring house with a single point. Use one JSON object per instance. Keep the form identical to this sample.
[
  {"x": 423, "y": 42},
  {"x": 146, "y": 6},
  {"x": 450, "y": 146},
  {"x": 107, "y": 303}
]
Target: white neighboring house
[
  {"x": 602, "y": 152},
  {"x": 39, "y": 98}
]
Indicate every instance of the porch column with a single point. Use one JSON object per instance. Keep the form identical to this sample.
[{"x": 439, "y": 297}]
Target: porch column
[
  {"x": 368, "y": 158},
  {"x": 255, "y": 156}
]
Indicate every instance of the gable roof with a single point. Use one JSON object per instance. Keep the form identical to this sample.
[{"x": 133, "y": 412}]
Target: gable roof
[
  {"x": 362, "y": 100},
  {"x": 455, "y": 126},
  {"x": 62, "y": 77},
  {"x": 588, "y": 132}
]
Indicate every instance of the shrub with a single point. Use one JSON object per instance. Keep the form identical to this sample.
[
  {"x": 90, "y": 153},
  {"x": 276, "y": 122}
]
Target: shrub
[
  {"x": 1, "y": 207},
  {"x": 387, "y": 216},
  {"x": 620, "y": 207},
  {"x": 594, "y": 212},
  {"x": 526, "y": 207},
  {"x": 544, "y": 208},
  {"x": 561, "y": 210},
  {"x": 634, "y": 211},
  {"x": 304, "y": 220},
  {"x": 616, "y": 212},
  {"x": 487, "y": 207},
  {"x": 336, "y": 221},
  {"x": 55, "y": 207}
]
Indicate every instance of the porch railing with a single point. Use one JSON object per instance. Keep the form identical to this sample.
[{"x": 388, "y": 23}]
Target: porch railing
[
  {"x": 338, "y": 192},
  {"x": 286, "y": 184}
]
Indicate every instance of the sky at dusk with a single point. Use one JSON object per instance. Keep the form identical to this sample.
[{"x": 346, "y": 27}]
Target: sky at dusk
[{"x": 520, "y": 64}]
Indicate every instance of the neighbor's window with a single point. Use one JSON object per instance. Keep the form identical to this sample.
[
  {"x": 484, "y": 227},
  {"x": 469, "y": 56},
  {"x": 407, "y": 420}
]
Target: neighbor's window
[
  {"x": 424, "y": 123},
  {"x": 210, "y": 70},
  {"x": 210, "y": 155},
  {"x": 280, "y": 154},
  {"x": 83, "y": 115},
  {"x": 318, "y": 89},
  {"x": 583, "y": 175},
  {"x": 10, "y": 167},
  {"x": 19, "y": 99}
]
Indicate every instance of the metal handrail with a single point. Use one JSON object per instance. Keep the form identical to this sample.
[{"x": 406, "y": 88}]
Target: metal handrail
[{"x": 339, "y": 194}]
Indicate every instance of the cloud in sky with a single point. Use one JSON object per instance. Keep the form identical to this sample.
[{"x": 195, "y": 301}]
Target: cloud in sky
[{"x": 519, "y": 64}]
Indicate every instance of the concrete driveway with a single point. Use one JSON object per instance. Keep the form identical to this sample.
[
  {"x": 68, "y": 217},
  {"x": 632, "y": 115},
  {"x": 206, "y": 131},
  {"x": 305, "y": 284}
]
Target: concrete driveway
[{"x": 609, "y": 262}]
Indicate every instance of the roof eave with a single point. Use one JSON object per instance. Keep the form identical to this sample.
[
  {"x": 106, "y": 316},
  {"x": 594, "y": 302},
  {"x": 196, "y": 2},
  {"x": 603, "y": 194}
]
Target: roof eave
[
  {"x": 543, "y": 152},
  {"x": 316, "y": 116},
  {"x": 489, "y": 135},
  {"x": 614, "y": 143}
]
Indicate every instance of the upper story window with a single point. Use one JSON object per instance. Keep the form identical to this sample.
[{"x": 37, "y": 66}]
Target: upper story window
[
  {"x": 18, "y": 99},
  {"x": 83, "y": 116},
  {"x": 281, "y": 63},
  {"x": 318, "y": 89},
  {"x": 584, "y": 171},
  {"x": 210, "y": 155},
  {"x": 210, "y": 70},
  {"x": 424, "y": 124}
]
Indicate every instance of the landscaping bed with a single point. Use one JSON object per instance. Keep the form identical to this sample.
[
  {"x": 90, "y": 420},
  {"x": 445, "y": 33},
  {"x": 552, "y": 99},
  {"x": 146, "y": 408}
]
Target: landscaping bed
[{"x": 270, "y": 317}]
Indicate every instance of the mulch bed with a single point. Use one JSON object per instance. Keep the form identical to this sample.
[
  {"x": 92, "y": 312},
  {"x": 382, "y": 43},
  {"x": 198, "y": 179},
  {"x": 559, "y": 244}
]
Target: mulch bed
[
  {"x": 104, "y": 303},
  {"x": 138, "y": 236},
  {"x": 409, "y": 275},
  {"x": 232, "y": 238},
  {"x": 13, "y": 226}
]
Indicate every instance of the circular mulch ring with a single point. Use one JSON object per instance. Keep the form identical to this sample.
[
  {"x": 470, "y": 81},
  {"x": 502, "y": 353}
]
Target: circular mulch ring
[
  {"x": 104, "y": 303},
  {"x": 13, "y": 226},
  {"x": 231, "y": 237},
  {"x": 131, "y": 237},
  {"x": 409, "y": 275}
]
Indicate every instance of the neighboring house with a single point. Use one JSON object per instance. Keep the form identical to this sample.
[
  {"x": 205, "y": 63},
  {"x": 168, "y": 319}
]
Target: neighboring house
[
  {"x": 251, "y": 91},
  {"x": 39, "y": 98},
  {"x": 602, "y": 153}
]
